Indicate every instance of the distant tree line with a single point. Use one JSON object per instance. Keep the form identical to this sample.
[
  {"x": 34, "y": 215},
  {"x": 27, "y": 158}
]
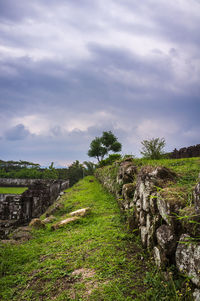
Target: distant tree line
[{"x": 29, "y": 170}]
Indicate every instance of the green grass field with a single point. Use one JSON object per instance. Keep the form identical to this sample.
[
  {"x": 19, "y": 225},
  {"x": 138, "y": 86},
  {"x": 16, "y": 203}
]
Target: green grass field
[
  {"x": 94, "y": 258},
  {"x": 12, "y": 190}
]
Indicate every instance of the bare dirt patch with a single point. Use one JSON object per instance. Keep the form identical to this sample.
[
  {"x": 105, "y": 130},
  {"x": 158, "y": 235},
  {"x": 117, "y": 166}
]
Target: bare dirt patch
[{"x": 87, "y": 277}]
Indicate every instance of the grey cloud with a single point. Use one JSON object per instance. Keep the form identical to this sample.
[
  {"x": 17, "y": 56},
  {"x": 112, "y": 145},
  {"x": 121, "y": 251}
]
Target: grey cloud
[
  {"x": 129, "y": 87},
  {"x": 19, "y": 132},
  {"x": 12, "y": 10}
]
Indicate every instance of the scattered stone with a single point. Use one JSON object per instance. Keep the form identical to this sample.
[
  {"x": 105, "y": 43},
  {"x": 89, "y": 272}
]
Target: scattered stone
[
  {"x": 188, "y": 258},
  {"x": 49, "y": 219},
  {"x": 80, "y": 212},
  {"x": 166, "y": 239},
  {"x": 22, "y": 234},
  {"x": 64, "y": 222},
  {"x": 36, "y": 223},
  {"x": 8, "y": 241}
]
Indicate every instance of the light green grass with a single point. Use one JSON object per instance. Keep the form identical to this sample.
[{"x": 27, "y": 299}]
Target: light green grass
[
  {"x": 42, "y": 268},
  {"x": 12, "y": 190}
]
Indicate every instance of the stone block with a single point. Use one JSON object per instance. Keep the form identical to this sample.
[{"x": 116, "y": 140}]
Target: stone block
[
  {"x": 197, "y": 198},
  {"x": 80, "y": 212},
  {"x": 36, "y": 223},
  {"x": 166, "y": 239},
  {"x": 65, "y": 222},
  {"x": 159, "y": 257},
  {"x": 188, "y": 258}
]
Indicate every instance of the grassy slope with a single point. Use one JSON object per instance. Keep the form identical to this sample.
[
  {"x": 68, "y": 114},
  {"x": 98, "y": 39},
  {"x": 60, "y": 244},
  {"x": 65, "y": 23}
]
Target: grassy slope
[
  {"x": 109, "y": 257},
  {"x": 12, "y": 190}
]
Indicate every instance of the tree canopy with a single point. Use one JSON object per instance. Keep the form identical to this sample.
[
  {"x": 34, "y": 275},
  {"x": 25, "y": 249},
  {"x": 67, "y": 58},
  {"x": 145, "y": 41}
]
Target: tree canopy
[
  {"x": 101, "y": 146},
  {"x": 153, "y": 148}
]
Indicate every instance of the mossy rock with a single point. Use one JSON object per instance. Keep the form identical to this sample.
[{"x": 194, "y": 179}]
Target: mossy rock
[
  {"x": 175, "y": 195},
  {"x": 190, "y": 221}
]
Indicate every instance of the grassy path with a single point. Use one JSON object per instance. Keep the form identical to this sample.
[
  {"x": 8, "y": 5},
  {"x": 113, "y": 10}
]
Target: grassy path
[{"x": 92, "y": 259}]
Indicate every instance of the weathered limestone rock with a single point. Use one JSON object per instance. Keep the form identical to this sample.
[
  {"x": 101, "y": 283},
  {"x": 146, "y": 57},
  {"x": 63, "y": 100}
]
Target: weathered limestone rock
[
  {"x": 36, "y": 223},
  {"x": 152, "y": 223},
  {"x": 170, "y": 200},
  {"x": 22, "y": 234},
  {"x": 127, "y": 194},
  {"x": 190, "y": 221},
  {"x": 166, "y": 239},
  {"x": 153, "y": 203},
  {"x": 196, "y": 295},
  {"x": 144, "y": 235},
  {"x": 197, "y": 198},
  {"x": 65, "y": 222},
  {"x": 188, "y": 258},
  {"x": 145, "y": 201},
  {"x": 148, "y": 179},
  {"x": 126, "y": 173},
  {"x": 80, "y": 212},
  {"x": 128, "y": 190},
  {"x": 142, "y": 218},
  {"x": 159, "y": 257},
  {"x": 49, "y": 219}
]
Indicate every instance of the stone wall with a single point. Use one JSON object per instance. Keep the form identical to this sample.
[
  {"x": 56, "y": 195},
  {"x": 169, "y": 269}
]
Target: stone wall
[
  {"x": 158, "y": 209},
  {"x": 8, "y": 182},
  {"x": 18, "y": 210},
  {"x": 186, "y": 152}
]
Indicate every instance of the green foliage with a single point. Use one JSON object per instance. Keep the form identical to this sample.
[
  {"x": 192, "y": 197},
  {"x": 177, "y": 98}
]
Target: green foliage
[
  {"x": 96, "y": 149},
  {"x": 26, "y": 170},
  {"x": 110, "y": 142},
  {"x": 75, "y": 172},
  {"x": 175, "y": 288},
  {"x": 110, "y": 160},
  {"x": 101, "y": 146},
  {"x": 17, "y": 165},
  {"x": 153, "y": 148},
  {"x": 89, "y": 168}
]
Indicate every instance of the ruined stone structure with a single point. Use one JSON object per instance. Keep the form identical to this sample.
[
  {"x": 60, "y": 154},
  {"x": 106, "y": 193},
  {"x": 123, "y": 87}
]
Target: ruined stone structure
[
  {"x": 18, "y": 210},
  {"x": 166, "y": 225},
  {"x": 186, "y": 152}
]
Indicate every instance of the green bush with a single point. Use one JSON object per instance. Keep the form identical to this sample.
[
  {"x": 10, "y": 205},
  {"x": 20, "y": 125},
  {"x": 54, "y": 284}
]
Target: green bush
[{"x": 108, "y": 161}]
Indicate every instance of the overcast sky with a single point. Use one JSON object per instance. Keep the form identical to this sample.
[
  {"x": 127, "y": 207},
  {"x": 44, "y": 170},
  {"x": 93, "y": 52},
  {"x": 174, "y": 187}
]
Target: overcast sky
[{"x": 70, "y": 69}]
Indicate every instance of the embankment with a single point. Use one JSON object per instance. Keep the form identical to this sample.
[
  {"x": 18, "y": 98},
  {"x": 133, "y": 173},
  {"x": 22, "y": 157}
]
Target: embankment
[{"x": 163, "y": 210}]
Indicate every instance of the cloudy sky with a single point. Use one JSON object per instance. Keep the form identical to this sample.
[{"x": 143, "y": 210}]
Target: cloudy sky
[{"x": 70, "y": 69}]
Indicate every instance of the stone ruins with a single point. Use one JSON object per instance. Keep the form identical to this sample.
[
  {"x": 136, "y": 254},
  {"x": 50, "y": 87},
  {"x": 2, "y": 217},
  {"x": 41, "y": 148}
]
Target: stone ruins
[{"x": 17, "y": 210}]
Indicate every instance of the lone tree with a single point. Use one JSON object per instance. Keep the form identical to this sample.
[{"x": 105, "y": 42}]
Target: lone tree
[
  {"x": 153, "y": 148},
  {"x": 101, "y": 146}
]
